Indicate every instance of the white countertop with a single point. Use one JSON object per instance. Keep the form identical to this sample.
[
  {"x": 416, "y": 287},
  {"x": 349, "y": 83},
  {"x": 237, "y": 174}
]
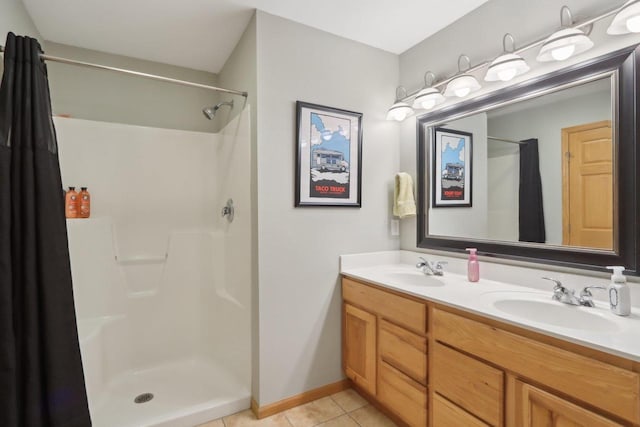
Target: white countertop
[{"x": 595, "y": 327}]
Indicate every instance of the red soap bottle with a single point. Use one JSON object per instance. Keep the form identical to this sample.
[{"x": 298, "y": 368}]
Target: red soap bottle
[
  {"x": 85, "y": 203},
  {"x": 71, "y": 203}
]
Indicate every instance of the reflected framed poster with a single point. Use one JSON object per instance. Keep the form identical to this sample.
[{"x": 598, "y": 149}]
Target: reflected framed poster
[
  {"x": 451, "y": 173},
  {"x": 329, "y": 156}
]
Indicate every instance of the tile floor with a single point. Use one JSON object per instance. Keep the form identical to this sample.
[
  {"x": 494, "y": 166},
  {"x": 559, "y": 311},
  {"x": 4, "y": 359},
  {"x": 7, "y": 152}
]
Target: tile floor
[{"x": 344, "y": 409}]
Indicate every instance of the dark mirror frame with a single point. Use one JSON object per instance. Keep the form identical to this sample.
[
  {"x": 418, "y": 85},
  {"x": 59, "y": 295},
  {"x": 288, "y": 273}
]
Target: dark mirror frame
[{"x": 626, "y": 63}]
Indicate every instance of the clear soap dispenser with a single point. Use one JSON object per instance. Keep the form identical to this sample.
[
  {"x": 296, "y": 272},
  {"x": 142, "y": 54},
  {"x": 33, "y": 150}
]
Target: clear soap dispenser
[{"x": 619, "y": 293}]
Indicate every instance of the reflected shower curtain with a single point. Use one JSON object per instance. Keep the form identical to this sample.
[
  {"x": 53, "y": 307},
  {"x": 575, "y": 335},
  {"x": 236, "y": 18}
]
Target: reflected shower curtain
[
  {"x": 531, "y": 210},
  {"x": 41, "y": 377}
]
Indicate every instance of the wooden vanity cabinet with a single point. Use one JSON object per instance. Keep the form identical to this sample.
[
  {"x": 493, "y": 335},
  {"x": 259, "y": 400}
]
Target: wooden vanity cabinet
[
  {"x": 468, "y": 370},
  {"x": 538, "y": 408},
  {"x": 468, "y": 383},
  {"x": 588, "y": 380},
  {"x": 359, "y": 347},
  {"x": 387, "y": 331},
  {"x": 448, "y": 414}
]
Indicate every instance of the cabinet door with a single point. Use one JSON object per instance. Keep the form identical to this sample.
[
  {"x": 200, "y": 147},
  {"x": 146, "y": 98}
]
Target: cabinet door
[
  {"x": 359, "y": 347},
  {"x": 537, "y": 408}
]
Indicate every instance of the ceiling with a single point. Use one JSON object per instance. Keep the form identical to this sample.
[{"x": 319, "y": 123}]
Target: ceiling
[{"x": 201, "y": 34}]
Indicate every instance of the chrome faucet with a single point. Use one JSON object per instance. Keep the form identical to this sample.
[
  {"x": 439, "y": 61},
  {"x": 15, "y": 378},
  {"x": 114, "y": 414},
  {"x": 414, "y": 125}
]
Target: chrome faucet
[
  {"x": 562, "y": 294},
  {"x": 431, "y": 268},
  {"x": 568, "y": 296},
  {"x": 586, "y": 296}
]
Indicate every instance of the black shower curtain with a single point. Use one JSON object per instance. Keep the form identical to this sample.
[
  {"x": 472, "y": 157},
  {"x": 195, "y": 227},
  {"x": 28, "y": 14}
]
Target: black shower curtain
[
  {"x": 531, "y": 211},
  {"x": 41, "y": 377}
]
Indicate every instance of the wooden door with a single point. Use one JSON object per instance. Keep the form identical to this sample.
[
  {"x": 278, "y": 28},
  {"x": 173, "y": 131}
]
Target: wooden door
[
  {"x": 359, "y": 347},
  {"x": 587, "y": 181},
  {"x": 538, "y": 408}
]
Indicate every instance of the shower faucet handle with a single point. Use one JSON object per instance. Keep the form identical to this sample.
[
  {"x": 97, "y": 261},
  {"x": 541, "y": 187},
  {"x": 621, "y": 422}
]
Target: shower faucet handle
[{"x": 228, "y": 210}]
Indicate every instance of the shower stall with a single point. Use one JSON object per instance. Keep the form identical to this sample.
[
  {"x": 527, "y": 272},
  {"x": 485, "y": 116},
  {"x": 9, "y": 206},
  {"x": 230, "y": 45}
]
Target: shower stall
[{"x": 161, "y": 279}]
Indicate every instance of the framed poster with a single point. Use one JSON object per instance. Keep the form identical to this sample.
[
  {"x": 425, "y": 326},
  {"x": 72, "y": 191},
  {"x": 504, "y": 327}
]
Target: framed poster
[
  {"x": 329, "y": 155},
  {"x": 452, "y": 156}
]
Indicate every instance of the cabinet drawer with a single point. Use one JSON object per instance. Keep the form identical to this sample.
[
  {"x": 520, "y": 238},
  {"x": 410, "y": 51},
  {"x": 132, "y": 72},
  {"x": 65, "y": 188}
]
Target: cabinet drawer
[
  {"x": 403, "y": 311},
  {"x": 604, "y": 386},
  {"x": 403, "y": 350},
  {"x": 539, "y": 408},
  {"x": 402, "y": 395},
  {"x": 446, "y": 414},
  {"x": 474, "y": 386}
]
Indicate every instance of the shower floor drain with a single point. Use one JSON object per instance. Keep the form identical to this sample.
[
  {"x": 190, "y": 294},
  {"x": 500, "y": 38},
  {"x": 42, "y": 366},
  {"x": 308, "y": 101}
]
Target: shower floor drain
[{"x": 143, "y": 398}]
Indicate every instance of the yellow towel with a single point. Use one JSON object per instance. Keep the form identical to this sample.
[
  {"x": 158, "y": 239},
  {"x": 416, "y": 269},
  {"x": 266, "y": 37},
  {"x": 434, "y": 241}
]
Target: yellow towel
[{"x": 404, "y": 204}]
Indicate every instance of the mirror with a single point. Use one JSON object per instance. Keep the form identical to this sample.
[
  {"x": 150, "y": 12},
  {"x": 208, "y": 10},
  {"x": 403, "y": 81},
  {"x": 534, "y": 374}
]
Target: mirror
[
  {"x": 563, "y": 140},
  {"x": 544, "y": 169}
]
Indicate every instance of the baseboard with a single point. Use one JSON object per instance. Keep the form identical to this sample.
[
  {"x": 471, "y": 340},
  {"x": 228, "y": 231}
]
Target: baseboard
[{"x": 300, "y": 399}]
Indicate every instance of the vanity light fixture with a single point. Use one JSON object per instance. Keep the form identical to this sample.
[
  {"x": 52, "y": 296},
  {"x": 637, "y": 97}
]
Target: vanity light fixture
[
  {"x": 508, "y": 65},
  {"x": 565, "y": 43},
  {"x": 400, "y": 110},
  {"x": 463, "y": 84},
  {"x": 627, "y": 20},
  {"x": 429, "y": 96}
]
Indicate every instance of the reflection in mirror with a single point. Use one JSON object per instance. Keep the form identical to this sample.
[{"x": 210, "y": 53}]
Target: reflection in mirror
[
  {"x": 583, "y": 206},
  {"x": 543, "y": 170}
]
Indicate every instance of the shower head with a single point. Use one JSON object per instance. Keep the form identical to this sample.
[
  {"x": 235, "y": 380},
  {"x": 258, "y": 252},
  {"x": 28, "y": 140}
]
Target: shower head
[{"x": 210, "y": 112}]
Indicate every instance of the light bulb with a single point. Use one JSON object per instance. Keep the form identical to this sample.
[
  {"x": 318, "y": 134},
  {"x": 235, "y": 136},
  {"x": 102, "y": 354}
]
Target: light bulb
[
  {"x": 399, "y": 115},
  {"x": 399, "y": 111},
  {"x": 507, "y": 74},
  {"x": 462, "y": 92},
  {"x": 633, "y": 24},
  {"x": 428, "y": 104},
  {"x": 562, "y": 53}
]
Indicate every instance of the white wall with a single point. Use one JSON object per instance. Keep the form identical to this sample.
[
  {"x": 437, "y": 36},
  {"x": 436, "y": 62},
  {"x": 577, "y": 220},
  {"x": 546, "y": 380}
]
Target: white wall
[
  {"x": 114, "y": 97},
  {"x": 504, "y": 183},
  {"x": 473, "y": 221},
  {"x": 479, "y": 34},
  {"x": 14, "y": 17},
  {"x": 544, "y": 123},
  {"x": 230, "y": 324},
  {"x": 241, "y": 71},
  {"x": 299, "y": 292},
  {"x": 153, "y": 195},
  {"x": 159, "y": 192},
  {"x": 149, "y": 180}
]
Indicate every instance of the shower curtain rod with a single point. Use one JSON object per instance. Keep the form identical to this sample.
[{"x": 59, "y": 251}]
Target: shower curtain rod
[
  {"x": 136, "y": 73},
  {"x": 510, "y": 141}
]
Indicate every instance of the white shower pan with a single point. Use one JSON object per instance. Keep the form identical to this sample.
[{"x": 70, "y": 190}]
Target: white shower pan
[
  {"x": 177, "y": 335},
  {"x": 184, "y": 392}
]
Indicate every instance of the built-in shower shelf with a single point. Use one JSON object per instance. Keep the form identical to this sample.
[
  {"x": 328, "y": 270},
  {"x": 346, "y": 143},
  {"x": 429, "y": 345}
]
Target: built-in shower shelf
[{"x": 141, "y": 260}]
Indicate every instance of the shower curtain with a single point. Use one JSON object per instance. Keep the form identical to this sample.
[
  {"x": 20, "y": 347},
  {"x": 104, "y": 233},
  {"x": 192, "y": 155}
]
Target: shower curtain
[
  {"x": 41, "y": 377},
  {"x": 531, "y": 210}
]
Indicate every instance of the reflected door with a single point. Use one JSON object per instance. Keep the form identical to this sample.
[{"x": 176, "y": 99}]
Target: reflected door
[{"x": 587, "y": 213}]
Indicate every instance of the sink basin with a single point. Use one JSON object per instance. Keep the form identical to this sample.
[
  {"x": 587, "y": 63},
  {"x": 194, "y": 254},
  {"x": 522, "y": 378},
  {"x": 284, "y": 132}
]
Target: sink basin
[
  {"x": 412, "y": 278},
  {"x": 536, "y": 307}
]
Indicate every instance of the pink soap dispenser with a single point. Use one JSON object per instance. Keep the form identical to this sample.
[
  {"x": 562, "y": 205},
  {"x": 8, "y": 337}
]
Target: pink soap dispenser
[{"x": 473, "y": 266}]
